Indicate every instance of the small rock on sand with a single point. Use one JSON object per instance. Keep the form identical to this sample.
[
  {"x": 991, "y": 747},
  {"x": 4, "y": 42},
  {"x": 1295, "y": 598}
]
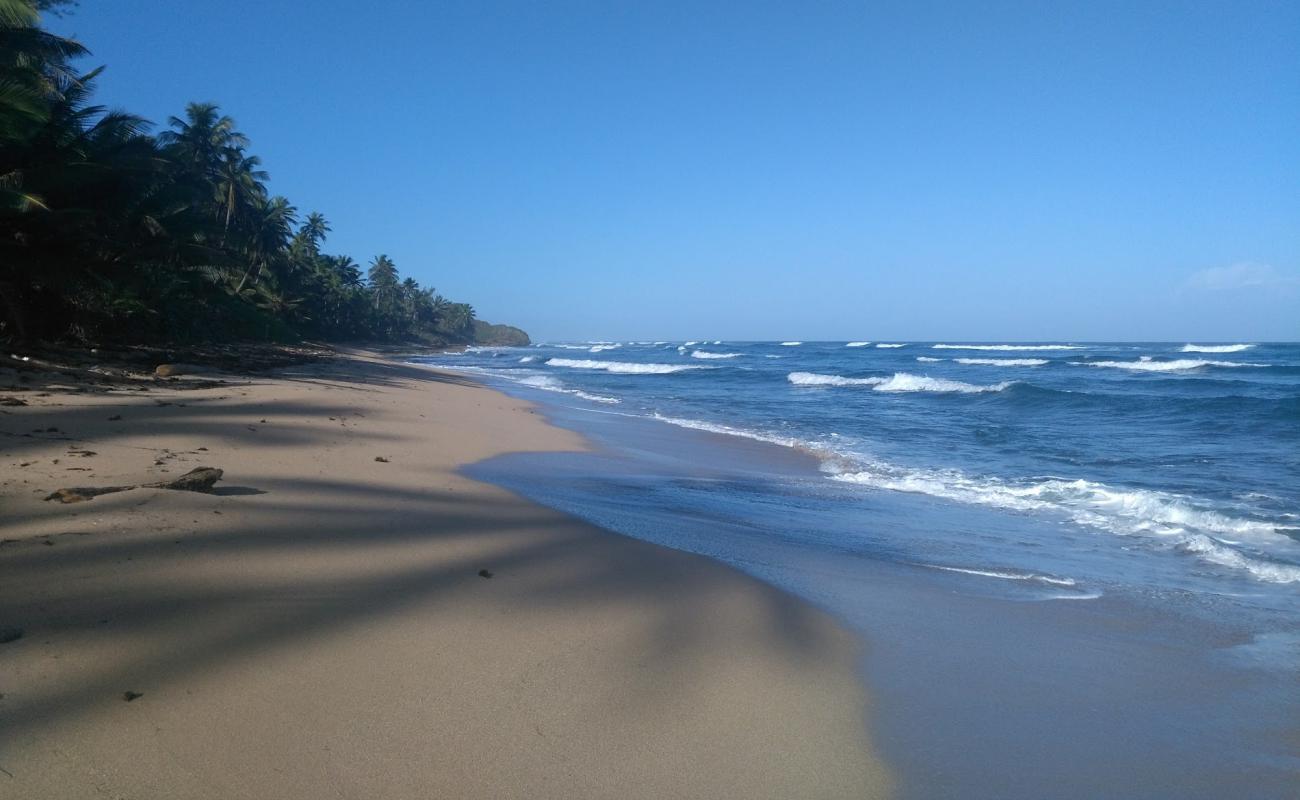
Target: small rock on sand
[{"x": 172, "y": 370}]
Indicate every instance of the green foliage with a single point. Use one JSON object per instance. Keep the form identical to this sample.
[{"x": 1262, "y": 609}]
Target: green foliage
[
  {"x": 508, "y": 335},
  {"x": 109, "y": 232}
]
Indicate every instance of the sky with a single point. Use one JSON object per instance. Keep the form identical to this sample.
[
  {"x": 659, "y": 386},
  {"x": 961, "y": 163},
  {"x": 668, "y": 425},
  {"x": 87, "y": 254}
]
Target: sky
[{"x": 796, "y": 170}]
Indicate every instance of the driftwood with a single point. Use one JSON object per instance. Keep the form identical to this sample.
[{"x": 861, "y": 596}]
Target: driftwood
[{"x": 200, "y": 479}]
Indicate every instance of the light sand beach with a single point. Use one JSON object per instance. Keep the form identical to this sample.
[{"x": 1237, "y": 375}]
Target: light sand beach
[{"x": 318, "y": 627}]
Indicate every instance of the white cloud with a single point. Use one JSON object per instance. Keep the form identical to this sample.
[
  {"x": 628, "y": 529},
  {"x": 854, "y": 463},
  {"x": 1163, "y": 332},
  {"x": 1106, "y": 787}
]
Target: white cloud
[{"x": 1243, "y": 275}]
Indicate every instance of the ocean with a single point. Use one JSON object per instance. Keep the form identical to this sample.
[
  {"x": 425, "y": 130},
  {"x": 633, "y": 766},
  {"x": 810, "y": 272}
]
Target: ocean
[{"x": 1087, "y": 553}]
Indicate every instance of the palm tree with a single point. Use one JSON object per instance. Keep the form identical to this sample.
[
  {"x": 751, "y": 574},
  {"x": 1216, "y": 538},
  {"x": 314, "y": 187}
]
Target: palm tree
[
  {"x": 385, "y": 293},
  {"x": 348, "y": 271},
  {"x": 314, "y": 231},
  {"x": 238, "y": 185},
  {"x": 34, "y": 67},
  {"x": 201, "y": 140},
  {"x": 273, "y": 223}
]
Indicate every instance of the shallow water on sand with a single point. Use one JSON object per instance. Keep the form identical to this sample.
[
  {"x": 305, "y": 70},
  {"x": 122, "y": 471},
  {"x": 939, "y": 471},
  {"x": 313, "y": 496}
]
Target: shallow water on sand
[{"x": 1061, "y": 640}]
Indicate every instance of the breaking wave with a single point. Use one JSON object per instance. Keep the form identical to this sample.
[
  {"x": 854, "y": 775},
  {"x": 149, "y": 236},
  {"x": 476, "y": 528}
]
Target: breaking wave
[
  {"x": 547, "y": 383},
  {"x": 1215, "y": 348},
  {"x": 1146, "y": 364},
  {"x": 813, "y": 379},
  {"x": 882, "y": 344},
  {"x": 791, "y": 344},
  {"x": 899, "y": 382},
  {"x": 1181, "y": 524},
  {"x": 727, "y": 430},
  {"x": 621, "y": 367},
  {"x": 1165, "y": 517},
  {"x": 857, "y": 344},
  {"x": 907, "y": 382},
  {"x": 1008, "y": 347},
  {"x": 703, "y": 354},
  {"x": 1002, "y": 362}
]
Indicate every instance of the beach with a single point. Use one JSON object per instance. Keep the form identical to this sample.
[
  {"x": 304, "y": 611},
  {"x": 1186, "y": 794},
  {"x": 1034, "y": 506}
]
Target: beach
[
  {"x": 1066, "y": 595},
  {"x": 349, "y": 615}
]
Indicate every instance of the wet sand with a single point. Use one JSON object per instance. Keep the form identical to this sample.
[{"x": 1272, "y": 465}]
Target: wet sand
[{"x": 322, "y": 625}]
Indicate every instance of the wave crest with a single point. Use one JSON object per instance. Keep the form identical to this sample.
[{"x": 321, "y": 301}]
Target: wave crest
[
  {"x": 1166, "y": 517},
  {"x": 898, "y": 382},
  {"x": 907, "y": 382},
  {"x": 1145, "y": 364},
  {"x": 1008, "y": 347},
  {"x": 1215, "y": 348},
  {"x": 814, "y": 379},
  {"x": 621, "y": 367},
  {"x": 547, "y": 383},
  {"x": 703, "y": 354},
  {"x": 1002, "y": 362}
]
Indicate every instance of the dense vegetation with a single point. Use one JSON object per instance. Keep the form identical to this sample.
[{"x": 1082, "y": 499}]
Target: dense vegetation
[{"x": 109, "y": 232}]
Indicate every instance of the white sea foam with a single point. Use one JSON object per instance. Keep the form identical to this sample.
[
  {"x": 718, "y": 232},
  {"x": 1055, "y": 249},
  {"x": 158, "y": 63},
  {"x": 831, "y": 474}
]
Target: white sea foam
[
  {"x": 550, "y": 384},
  {"x": 534, "y": 380},
  {"x": 907, "y": 382},
  {"x": 1146, "y": 364},
  {"x": 857, "y": 344},
  {"x": 928, "y": 359},
  {"x": 791, "y": 344},
  {"x": 572, "y": 346},
  {"x": 898, "y": 382},
  {"x": 690, "y": 344},
  {"x": 1008, "y": 347},
  {"x": 1006, "y": 575},
  {"x": 1216, "y": 348},
  {"x": 882, "y": 344},
  {"x": 727, "y": 430},
  {"x": 1083, "y": 596},
  {"x": 703, "y": 354},
  {"x": 813, "y": 379},
  {"x": 527, "y": 359},
  {"x": 1166, "y": 517},
  {"x": 621, "y": 367},
  {"x": 1184, "y": 523},
  {"x": 600, "y": 348},
  {"x": 1003, "y": 362}
]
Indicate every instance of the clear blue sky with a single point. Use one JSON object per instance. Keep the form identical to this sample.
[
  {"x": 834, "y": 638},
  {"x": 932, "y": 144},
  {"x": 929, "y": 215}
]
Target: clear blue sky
[{"x": 803, "y": 170}]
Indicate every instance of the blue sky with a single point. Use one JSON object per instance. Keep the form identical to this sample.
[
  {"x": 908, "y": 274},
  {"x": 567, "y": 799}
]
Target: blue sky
[{"x": 771, "y": 170}]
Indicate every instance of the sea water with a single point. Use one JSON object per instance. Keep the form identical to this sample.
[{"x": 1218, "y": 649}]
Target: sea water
[{"x": 1078, "y": 563}]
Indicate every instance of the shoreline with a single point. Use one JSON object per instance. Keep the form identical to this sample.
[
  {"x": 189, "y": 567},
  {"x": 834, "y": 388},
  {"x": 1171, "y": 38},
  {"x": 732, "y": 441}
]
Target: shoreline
[
  {"x": 318, "y": 625},
  {"x": 973, "y": 671}
]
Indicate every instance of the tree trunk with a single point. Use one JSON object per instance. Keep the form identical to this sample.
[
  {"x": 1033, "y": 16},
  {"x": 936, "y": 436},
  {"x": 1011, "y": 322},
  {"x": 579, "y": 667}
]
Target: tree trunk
[{"x": 13, "y": 311}]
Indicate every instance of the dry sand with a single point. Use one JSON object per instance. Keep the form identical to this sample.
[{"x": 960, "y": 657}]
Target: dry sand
[{"x": 318, "y": 628}]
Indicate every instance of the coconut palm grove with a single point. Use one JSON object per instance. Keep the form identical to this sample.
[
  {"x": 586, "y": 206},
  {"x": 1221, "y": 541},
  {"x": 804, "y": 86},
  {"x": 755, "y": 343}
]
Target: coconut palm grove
[{"x": 114, "y": 228}]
